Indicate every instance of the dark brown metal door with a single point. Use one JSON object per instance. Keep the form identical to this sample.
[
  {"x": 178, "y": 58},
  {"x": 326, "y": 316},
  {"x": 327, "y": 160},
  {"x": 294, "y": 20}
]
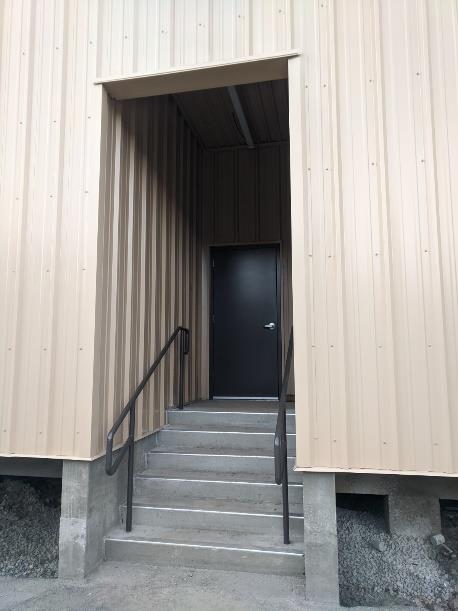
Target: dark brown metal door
[{"x": 245, "y": 317}]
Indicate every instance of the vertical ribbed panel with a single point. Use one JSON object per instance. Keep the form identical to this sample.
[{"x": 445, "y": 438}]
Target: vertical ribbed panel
[
  {"x": 381, "y": 136},
  {"x": 381, "y": 145},
  {"x": 149, "y": 261},
  {"x": 49, "y": 160},
  {"x": 150, "y": 35}
]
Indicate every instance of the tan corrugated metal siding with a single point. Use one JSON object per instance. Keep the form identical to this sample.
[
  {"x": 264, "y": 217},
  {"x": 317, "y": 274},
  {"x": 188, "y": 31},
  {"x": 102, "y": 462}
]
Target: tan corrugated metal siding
[
  {"x": 149, "y": 261},
  {"x": 49, "y": 161},
  {"x": 381, "y": 147},
  {"x": 380, "y": 330}
]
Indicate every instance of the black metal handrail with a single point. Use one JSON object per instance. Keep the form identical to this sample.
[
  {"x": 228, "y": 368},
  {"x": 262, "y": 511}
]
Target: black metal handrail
[
  {"x": 281, "y": 444},
  {"x": 128, "y": 446}
]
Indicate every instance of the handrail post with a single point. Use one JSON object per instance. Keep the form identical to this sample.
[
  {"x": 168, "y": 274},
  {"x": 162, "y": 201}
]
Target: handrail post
[
  {"x": 285, "y": 485},
  {"x": 181, "y": 374},
  {"x": 130, "y": 468}
]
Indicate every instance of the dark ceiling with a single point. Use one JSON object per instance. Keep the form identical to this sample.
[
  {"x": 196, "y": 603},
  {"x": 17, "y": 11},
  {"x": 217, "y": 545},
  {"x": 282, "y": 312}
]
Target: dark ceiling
[{"x": 212, "y": 116}]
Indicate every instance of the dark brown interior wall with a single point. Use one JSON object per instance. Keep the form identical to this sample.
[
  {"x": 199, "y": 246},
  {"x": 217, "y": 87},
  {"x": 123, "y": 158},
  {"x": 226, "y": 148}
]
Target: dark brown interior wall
[{"x": 246, "y": 200}]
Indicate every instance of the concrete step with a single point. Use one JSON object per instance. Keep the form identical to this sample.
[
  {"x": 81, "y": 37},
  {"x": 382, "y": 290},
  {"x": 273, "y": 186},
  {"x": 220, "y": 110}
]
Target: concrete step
[
  {"x": 215, "y": 514},
  {"x": 259, "y": 418},
  {"x": 173, "y": 484},
  {"x": 225, "y": 460},
  {"x": 187, "y": 436},
  {"x": 206, "y": 549}
]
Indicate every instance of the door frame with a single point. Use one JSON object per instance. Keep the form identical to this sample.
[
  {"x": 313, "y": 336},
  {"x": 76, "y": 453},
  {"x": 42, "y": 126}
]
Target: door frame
[{"x": 257, "y": 245}]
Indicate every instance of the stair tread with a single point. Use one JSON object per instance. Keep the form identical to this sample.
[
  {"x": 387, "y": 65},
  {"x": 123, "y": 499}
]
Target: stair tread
[
  {"x": 235, "y": 407},
  {"x": 218, "y": 505},
  {"x": 217, "y": 451},
  {"x": 208, "y": 538},
  {"x": 190, "y": 428},
  {"x": 210, "y": 476}
]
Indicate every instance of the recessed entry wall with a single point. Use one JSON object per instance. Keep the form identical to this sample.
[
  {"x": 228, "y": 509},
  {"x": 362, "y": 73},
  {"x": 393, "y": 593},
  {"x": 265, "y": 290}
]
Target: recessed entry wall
[
  {"x": 149, "y": 275},
  {"x": 166, "y": 198}
]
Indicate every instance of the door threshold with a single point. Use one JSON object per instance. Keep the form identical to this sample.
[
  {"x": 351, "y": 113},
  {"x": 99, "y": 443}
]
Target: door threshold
[{"x": 246, "y": 398}]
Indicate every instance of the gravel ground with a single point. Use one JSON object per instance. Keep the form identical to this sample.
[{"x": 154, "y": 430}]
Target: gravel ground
[
  {"x": 29, "y": 527},
  {"x": 408, "y": 570}
]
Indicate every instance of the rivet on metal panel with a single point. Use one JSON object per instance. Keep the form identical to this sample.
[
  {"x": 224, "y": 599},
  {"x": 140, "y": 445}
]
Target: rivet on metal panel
[
  {"x": 324, "y": 85},
  {"x": 422, "y": 160},
  {"x": 430, "y": 345},
  {"x": 380, "y": 346},
  {"x": 9, "y": 348},
  {"x": 376, "y": 254},
  {"x": 44, "y": 349},
  {"x": 418, "y": 73},
  {"x": 80, "y": 349},
  {"x": 332, "y": 346}
]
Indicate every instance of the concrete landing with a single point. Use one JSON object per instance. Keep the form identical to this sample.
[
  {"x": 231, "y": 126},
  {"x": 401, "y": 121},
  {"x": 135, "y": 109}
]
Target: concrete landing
[{"x": 132, "y": 587}]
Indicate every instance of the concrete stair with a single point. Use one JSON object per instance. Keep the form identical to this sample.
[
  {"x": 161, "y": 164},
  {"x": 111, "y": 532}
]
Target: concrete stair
[{"x": 207, "y": 496}]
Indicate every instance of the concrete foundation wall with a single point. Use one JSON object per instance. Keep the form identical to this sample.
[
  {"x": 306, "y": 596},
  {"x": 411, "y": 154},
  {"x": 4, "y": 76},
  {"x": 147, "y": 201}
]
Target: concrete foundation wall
[{"x": 90, "y": 507}]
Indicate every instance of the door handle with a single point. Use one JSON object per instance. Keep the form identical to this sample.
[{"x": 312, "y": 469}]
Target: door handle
[{"x": 270, "y": 326}]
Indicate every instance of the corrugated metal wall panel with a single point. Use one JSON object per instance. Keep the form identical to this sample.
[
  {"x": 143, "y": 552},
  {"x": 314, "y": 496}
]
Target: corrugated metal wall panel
[
  {"x": 380, "y": 149},
  {"x": 151, "y": 35},
  {"x": 149, "y": 271},
  {"x": 49, "y": 193},
  {"x": 381, "y": 134}
]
